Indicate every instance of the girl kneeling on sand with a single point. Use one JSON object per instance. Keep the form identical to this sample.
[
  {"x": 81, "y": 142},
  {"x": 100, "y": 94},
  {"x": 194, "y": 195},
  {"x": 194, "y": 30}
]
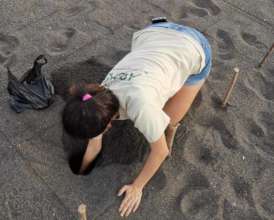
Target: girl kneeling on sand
[{"x": 154, "y": 85}]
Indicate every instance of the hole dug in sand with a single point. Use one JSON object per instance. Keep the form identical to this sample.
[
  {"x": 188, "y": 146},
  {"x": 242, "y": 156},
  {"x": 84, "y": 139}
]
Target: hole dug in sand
[{"x": 122, "y": 144}]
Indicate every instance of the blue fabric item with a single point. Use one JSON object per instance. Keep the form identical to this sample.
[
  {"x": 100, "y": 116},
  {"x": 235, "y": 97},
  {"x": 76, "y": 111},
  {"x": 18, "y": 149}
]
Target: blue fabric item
[{"x": 200, "y": 38}]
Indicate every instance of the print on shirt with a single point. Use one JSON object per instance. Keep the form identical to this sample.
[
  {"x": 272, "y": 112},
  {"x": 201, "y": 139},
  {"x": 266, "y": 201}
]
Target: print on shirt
[{"x": 120, "y": 75}]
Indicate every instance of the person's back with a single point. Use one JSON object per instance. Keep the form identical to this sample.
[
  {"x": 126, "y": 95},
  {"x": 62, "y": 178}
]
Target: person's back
[{"x": 159, "y": 63}]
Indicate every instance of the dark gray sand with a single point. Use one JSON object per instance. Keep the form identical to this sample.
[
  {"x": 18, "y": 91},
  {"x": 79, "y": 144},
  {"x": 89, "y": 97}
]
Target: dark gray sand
[{"x": 223, "y": 160}]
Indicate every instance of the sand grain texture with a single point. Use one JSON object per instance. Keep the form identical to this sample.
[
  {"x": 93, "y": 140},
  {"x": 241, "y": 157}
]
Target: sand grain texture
[{"x": 223, "y": 159}]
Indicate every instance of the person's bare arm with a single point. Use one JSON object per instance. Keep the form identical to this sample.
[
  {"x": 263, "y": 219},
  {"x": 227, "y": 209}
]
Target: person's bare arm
[
  {"x": 159, "y": 151},
  {"x": 93, "y": 149}
]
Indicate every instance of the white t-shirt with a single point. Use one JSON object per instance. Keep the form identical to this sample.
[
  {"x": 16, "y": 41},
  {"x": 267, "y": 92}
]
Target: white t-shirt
[{"x": 157, "y": 66}]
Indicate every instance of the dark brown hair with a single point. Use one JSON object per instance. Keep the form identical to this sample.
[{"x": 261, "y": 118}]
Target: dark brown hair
[{"x": 87, "y": 119}]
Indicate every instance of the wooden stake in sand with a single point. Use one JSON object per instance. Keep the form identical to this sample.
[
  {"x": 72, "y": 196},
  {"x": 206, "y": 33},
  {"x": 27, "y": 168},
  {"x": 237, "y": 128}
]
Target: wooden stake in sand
[
  {"x": 266, "y": 55},
  {"x": 231, "y": 86},
  {"x": 82, "y": 209}
]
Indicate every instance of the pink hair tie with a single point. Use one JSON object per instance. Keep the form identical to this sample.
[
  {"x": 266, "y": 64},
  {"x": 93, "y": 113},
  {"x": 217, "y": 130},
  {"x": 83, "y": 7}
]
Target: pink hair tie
[{"x": 86, "y": 97}]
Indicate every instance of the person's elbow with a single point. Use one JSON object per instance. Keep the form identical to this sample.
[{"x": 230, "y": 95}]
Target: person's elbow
[
  {"x": 163, "y": 154},
  {"x": 160, "y": 148}
]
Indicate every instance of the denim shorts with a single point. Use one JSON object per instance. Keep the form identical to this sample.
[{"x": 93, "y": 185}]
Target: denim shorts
[{"x": 201, "y": 39}]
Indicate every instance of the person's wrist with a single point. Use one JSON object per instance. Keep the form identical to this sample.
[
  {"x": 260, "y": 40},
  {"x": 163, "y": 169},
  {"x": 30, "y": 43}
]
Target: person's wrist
[{"x": 137, "y": 185}]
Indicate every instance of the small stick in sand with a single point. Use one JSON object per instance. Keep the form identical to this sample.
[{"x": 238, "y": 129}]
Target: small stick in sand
[
  {"x": 231, "y": 86},
  {"x": 82, "y": 209},
  {"x": 266, "y": 55}
]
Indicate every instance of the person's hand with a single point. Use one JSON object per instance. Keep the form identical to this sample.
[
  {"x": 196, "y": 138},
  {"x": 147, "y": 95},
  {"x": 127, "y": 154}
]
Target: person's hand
[{"x": 131, "y": 200}]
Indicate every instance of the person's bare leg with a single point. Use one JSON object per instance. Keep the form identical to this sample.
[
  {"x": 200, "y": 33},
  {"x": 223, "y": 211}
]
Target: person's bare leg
[{"x": 177, "y": 107}]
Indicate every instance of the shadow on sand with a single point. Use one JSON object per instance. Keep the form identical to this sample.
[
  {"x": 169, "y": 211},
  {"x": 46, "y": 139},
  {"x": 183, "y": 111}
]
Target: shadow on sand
[{"x": 122, "y": 144}]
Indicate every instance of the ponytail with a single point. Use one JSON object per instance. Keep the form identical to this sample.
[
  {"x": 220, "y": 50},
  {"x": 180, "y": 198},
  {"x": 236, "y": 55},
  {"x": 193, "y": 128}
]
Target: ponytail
[{"x": 88, "y": 117}]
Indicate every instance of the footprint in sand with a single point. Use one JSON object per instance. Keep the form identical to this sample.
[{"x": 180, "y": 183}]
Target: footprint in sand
[
  {"x": 255, "y": 129},
  {"x": 262, "y": 86},
  {"x": 252, "y": 40},
  {"x": 207, "y": 154},
  {"x": 242, "y": 189},
  {"x": 201, "y": 154},
  {"x": 263, "y": 194},
  {"x": 197, "y": 200},
  {"x": 266, "y": 146},
  {"x": 232, "y": 212},
  {"x": 59, "y": 40},
  {"x": 268, "y": 72},
  {"x": 209, "y": 5},
  {"x": 225, "y": 44},
  {"x": 196, "y": 180},
  {"x": 201, "y": 8},
  {"x": 73, "y": 11},
  {"x": 227, "y": 138},
  {"x": 193, "y": 11},
  {"x": 8, "y": 45},
  {"x": 199, "y": 204},
  {"x": 259, "y": 131},
  {"x": 76, "y": 10}
]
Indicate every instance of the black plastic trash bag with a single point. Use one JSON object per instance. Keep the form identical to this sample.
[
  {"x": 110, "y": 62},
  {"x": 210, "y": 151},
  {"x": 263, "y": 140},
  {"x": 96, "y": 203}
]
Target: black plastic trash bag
[{"x": 32, "y": 91}]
